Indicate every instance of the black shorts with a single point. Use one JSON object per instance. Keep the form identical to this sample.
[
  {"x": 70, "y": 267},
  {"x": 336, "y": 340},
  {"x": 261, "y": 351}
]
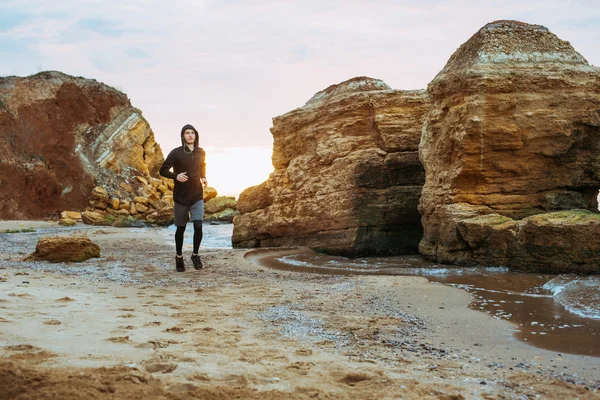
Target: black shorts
[{"x": 184, "y": 213}]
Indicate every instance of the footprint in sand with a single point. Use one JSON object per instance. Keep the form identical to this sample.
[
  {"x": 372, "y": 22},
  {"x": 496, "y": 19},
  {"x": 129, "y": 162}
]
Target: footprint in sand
[
  {"x": 182, "y": 388},
  {"x": 160, "y": 367},
  {"x": 175, "y": 329},
  {"x": 65, "y": 299},
  {"x": 21, "y": 347},
  {"x": 157, "y": 344},
  {"x": 302, "y": 367},
  {"x": 119, "y": 339},
  {"x": 52, "y": 322},
  {"x": 304, "y": 352},
  {"x": 353, "y": 378}
]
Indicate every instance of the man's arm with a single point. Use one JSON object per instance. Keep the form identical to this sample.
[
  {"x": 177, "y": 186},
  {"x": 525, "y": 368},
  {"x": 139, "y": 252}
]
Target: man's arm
[
  {"x": 167, "y": 165},
  {"x": 203, "y": 171}
]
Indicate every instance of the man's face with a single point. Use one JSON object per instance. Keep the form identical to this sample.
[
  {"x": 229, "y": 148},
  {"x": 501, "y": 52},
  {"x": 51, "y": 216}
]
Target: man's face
[{"x": 189, "y": 136}]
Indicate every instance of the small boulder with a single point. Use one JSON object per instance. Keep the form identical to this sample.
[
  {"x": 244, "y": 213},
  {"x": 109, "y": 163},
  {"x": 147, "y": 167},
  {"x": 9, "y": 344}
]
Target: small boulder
[
  {"x": 226, "y": 215},
  {"x": 141, "y": 200},
  {"x": 67, "y": 222},
  {"x": 99, "y": 198},
  {"x": 76, "y": 215},
  {"x": 132, "y": 209},
  {"x": 163, "y": 217},
  {"x": 210, "y": 193},
  {"x": 92, "y": 218},
  {"x": 127, "y": 188},
  {"x": 64, "y": 249},
  {"x": 114, "y": 203},
  {"x": 219, "y": 204},
  {"x": 155, "y": 182}
]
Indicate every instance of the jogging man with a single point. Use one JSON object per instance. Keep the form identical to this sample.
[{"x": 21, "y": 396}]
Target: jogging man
[{"x": 189, "y": 173}]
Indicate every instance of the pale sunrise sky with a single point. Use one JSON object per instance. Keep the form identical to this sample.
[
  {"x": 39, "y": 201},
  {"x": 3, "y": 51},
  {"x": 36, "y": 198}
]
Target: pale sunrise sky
[{"x": 228, "y": 67}]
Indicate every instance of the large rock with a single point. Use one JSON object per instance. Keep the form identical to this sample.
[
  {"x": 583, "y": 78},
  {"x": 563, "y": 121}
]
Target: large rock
[
  {"x": 513, "y": 132},
  {"x": 64, "y": 249},
  {"x": 219, "y": 203},
  {"x": 60, "y": 137},
  {"x": 347, "y": 176}
]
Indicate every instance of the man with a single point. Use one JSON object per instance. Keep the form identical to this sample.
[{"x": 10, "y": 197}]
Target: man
[{"x": 189, "y": 173}]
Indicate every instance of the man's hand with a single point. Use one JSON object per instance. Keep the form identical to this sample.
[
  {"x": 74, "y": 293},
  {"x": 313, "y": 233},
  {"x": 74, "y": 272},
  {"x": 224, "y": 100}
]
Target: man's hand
[
  {"x": 182, "y": 177},
  {"x": 204, "y": 182}
]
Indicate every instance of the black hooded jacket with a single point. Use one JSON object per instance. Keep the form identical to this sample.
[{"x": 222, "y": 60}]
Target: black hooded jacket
[{"x": 193, "y": 163}]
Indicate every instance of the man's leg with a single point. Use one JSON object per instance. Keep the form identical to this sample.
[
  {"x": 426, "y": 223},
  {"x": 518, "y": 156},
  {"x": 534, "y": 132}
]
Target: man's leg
[
  {"x": 181, "y": 219},
  {"x": 179, "y": 264},
  {"x": 197, "y": 240},
  {"x": 197, "y": 236},
  {"x": 197, "y": 214},
  {"x": 179, "y": 240}
]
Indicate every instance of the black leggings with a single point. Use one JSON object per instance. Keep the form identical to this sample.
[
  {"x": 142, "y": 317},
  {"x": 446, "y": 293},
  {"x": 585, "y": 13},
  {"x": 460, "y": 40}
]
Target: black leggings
[{"x": 197, "y": 237}]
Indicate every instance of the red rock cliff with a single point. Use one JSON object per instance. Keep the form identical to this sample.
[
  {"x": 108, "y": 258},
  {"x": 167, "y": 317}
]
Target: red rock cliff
[{"x": 60, "y": 136}]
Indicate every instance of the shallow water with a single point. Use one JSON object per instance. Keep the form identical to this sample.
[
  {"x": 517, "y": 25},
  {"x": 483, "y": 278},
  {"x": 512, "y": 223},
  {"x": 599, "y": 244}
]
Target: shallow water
[
  {"x": 555, "y": 312},
  {"x": 213, "y": 236}
]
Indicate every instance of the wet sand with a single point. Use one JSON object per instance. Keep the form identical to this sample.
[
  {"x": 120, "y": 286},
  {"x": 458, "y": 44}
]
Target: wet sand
[
  {"x": 520, "y": 298},
  {"x": 127, "y": 326}
]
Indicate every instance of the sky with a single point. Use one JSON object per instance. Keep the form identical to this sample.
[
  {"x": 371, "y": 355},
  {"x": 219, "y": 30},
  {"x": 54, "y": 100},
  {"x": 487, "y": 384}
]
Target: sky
[{"x": 228, "y": 67}]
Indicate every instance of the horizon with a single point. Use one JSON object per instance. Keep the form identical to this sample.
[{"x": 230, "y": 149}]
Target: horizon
[{"x": 229, "y": 67}]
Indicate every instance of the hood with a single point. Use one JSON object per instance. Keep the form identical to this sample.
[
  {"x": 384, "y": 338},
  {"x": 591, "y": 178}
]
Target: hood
[{"x": 188, "y": 126}]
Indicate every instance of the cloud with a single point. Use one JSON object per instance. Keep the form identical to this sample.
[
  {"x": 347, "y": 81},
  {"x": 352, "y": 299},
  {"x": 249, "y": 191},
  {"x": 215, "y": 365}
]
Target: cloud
[{"x": 228, "y": 67}]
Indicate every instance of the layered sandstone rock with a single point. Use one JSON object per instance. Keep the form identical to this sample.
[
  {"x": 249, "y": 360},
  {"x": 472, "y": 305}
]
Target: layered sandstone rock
[
  {"x": 60, "y": 136},
  {"x": 513, "y": 132},
  {"x": 64, "y": 249},
  {"x": 347, "y": 176},
  {"x": 220, "y": 208}
]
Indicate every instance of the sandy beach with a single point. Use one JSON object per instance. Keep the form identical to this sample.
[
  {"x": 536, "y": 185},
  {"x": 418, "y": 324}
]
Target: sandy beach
[{"x": 127, "y": 325}]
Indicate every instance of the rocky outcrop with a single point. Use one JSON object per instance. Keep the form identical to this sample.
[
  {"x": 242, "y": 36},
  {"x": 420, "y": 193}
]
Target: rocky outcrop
[
  {"x": 219, "y": 208},
  {"x": 513, "y": 133},
  {"x": 145, "y": 201},
  {"x": 347, "y": 176},
  {"x": 60, "y": 136},
  {"x": 64, "y": 249}
]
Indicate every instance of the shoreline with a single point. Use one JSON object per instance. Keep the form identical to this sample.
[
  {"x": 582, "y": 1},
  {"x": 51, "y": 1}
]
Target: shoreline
[{"x": 236, "y": 328}]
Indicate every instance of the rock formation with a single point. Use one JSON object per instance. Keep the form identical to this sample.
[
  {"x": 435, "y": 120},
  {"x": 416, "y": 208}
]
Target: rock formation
[
  {"x": 220, "y": 208},
  {"x": 60, "y": 136},
  {"x": 64, "y": 249},
  {"x": 347, "y": 176},
  {"x": 146, "y": 201},
  {"x": 513, "y": 133}
]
